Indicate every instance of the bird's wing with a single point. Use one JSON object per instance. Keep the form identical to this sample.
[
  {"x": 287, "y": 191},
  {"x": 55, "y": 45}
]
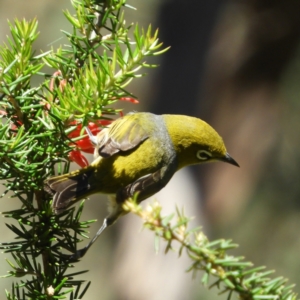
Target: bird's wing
[
  {"x": 147, "y": 185},
  {"x": 122, "y": 135}
]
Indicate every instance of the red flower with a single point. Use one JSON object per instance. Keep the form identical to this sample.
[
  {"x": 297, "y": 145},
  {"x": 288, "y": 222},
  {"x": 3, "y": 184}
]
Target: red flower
[
  {"x": 76, "y": 156},
  {"x": 84, "y": 144},
  {"x": 130, "y": 99}
]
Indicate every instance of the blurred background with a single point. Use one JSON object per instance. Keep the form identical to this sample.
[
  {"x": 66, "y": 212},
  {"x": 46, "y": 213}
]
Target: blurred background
[{"x": 235, "y": 64}]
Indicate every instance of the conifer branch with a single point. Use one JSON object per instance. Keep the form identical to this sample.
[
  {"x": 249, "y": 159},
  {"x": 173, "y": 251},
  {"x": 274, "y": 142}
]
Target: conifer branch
[{"x": 229, "y": 274}]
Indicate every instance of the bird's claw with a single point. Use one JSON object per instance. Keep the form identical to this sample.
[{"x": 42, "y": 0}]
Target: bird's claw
[{"x": 75, "y": 257}]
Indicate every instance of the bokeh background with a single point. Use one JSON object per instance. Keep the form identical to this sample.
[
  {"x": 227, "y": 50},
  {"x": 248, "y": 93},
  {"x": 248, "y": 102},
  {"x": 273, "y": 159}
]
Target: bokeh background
[{"x": 235, "y": 64}]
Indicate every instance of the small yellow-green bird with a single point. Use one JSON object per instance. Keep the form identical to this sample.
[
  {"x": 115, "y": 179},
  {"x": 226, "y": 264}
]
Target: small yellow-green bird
[{"x": 137, "y": 155}]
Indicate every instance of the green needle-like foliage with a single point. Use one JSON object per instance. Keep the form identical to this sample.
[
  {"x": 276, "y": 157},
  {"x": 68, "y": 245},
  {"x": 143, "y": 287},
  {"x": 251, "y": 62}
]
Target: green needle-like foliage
[
  {"x": 229, "y": 274},
  {"x": 37, "y": 129}
]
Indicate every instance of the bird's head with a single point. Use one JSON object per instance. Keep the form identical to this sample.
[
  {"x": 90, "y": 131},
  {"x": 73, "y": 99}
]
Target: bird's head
[{"x": 195, "y": 141}]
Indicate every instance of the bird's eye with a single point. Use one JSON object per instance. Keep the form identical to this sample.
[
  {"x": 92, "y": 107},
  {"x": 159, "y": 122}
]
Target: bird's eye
[{"x": 203, "y": 155}]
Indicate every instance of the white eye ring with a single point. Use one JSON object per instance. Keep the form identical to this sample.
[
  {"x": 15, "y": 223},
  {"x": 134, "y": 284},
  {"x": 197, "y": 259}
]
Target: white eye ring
[{"x": 203, "y": 155}]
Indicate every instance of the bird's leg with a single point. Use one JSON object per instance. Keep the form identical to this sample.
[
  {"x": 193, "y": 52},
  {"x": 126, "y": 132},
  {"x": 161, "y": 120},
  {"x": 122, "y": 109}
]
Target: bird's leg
[
  {"x": 116, "y": 212},
  {"x": 81, "y": 252}
]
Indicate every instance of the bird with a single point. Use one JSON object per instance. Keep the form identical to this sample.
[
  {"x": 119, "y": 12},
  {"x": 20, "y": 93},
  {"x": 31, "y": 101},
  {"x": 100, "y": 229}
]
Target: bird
[{"x": 136, "y": 156}]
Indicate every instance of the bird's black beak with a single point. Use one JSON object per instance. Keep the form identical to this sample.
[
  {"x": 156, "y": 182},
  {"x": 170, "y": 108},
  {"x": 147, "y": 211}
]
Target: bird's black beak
[{"x": 227, "y": 158}]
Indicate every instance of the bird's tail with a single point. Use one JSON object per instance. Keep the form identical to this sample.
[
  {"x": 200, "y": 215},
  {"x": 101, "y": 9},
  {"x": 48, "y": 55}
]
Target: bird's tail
[{"x": 69, "y": 188}]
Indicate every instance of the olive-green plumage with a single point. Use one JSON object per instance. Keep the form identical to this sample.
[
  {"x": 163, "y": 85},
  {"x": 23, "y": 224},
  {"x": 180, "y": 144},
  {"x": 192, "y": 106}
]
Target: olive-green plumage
[{"x": 138, "y": 153}]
